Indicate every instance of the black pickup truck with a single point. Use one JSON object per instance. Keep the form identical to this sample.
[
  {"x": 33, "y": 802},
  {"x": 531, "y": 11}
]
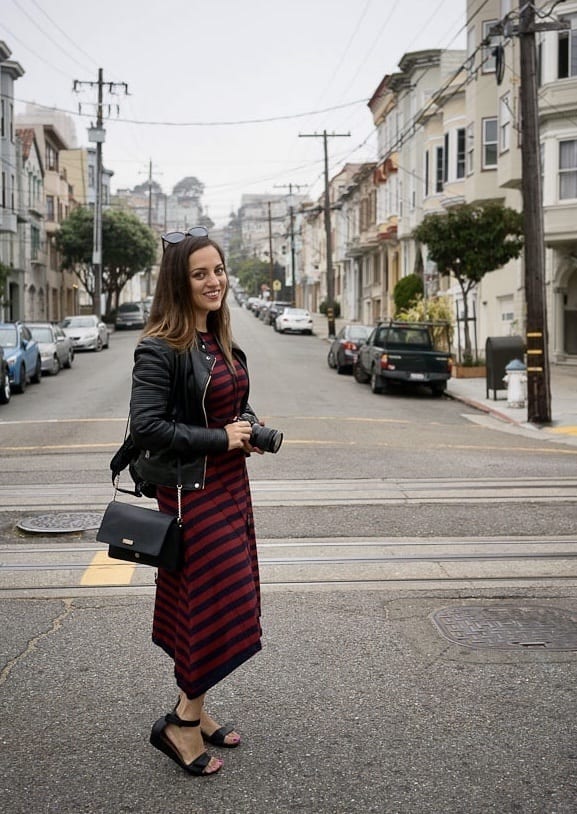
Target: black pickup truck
[{"x": 405, "y": 353}]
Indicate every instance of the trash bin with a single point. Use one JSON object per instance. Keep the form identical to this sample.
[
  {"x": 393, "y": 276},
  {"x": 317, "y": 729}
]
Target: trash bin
[{"x": 499, "y": 351}]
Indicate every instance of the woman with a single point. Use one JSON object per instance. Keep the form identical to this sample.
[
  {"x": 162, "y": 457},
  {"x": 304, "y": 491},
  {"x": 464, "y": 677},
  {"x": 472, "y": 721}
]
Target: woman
[{"x": 189, "y": 386}]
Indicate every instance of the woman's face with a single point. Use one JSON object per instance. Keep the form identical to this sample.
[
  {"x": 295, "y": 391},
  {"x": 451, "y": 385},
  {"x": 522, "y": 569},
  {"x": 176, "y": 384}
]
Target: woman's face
[{"x": 208, "y": 281}]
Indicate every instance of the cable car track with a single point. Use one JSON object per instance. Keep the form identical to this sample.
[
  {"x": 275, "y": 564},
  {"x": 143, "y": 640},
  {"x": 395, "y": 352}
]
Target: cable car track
[{"x": 401, "y": 562}]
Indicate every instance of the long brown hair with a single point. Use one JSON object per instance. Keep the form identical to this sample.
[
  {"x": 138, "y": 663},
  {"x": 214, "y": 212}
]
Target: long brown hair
[{"x": 172, "y": 316}]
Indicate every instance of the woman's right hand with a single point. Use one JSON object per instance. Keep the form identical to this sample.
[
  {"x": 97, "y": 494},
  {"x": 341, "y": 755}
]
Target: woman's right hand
[{"x": 238, "y": 434}]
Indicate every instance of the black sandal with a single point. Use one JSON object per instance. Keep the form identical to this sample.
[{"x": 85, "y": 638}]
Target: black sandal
[
  {"x": 217, "y": 738},
  {"x": 159, "y": 740}
]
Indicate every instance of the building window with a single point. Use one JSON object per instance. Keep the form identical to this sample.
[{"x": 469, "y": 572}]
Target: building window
[
  {"x": 489, "y": 143},
  {"x": 12, "y": 193},
  {"x": 91, "y": 176},
  {"x": 439, "y": 169},
  {"x": 446, "y": 159},
  {"x": 2, "y": 118},
  {"x": 427, "y": 170},
  {"x": 470, "y": 148},
  {"x": 51, "y": 158},
  {"x": 11, "y": 123},
  {"x": 461, "y": 152},
  {"x": 568, "y": 169},
  {"x": 50, "y": 211},
  {"x": 505, "y": 123},
  {"x": 489, "y": 61},
  {"x": 3, "y": 190},
  {"x": 567, "y": 50},
  {"x": 34, "y": 242}
]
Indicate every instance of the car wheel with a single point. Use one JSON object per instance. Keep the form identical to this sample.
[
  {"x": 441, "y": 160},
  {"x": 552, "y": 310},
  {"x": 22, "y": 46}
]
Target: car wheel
[
  {"x": 331, "y": 360},
  {"x": 55, "y": 369},
  {"x": 98, "y": 347},
  {"x": 359, "y": 374},
  {"x": 376, "y": 383},
  {"x": 69, "y": 359},
  {"x": 5, "y": 389},
  {"x": 36, "y": 377}
]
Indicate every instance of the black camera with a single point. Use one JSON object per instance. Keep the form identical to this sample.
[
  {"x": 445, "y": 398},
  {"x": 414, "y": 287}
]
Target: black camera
[{"x": 265, "y": 438}]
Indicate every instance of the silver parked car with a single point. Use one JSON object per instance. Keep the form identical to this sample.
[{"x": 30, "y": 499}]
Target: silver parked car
[
  {"x": 56, "y": 349},
  {"x": 86, "y": 331}
]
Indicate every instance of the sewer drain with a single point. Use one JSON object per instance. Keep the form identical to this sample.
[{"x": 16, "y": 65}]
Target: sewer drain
[
  {"x": 60, "y": 522},
  {"x": 508, "y": 627}
]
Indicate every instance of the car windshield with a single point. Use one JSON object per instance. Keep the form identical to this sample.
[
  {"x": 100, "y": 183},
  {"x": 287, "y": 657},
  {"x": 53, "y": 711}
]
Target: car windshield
[
  {"x": 41, "y": 334},
  {"x": 359, "y": 332},
  {"x": 128, "y": 307},
  {"x": 8, "y": 337},
  {"x": 78, "y": 322}
]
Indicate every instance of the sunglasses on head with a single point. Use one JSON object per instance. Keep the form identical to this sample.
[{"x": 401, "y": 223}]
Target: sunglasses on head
[{"x": 171, "y": 238}]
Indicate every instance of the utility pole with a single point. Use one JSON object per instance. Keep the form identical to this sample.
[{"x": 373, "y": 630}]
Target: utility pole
[
  {"x": 292, "y": 237},
  {"x": 327, "y": 208},
  {"x": 270, "y": 257},
  {"x": 538, "y": 373},
  {"x": 98, "y": 134}
]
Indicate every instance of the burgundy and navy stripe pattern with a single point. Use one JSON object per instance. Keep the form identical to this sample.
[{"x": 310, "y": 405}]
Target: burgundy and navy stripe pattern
[{"x": 206, "y": 617}]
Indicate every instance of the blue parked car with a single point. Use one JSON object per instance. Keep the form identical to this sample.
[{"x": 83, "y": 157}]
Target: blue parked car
[
  {"x": 22, "y": 353},
  {"x": 5, "y": 389}
]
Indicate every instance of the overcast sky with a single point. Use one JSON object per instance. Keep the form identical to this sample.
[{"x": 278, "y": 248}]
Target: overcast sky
[{"x": 215, "y": 66}]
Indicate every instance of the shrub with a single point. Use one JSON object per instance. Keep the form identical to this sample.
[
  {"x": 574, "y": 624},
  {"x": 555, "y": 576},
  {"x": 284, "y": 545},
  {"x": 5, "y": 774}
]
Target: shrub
[{"x": 406, "y": 291}]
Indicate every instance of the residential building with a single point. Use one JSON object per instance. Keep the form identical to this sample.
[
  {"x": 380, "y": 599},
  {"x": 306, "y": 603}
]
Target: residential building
[
  {"x": 31, "y": 211},
  {"x": 13, "y": 300}
]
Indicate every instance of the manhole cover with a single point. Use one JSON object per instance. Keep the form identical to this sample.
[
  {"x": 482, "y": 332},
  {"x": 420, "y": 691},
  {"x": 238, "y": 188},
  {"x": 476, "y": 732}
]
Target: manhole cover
[
  {"x": 60, "y": 522},
  {"x": 506, "y": 627}
]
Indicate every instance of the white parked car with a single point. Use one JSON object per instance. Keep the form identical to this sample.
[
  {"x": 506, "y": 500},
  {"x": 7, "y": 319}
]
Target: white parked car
[
  {"x": 56, "y": 348},
  {"x": 86, "y": 331},
  {"x": 296, "y": 320}
]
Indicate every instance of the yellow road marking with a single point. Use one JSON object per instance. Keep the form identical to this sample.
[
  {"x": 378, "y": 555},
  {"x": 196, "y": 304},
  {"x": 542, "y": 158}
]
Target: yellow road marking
[
  {"x": 563, "y": 430},
  {"x": 105, "y": 571}
]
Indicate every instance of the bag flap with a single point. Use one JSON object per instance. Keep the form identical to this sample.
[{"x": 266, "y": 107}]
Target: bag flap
[{"x": 134, "y": 528}]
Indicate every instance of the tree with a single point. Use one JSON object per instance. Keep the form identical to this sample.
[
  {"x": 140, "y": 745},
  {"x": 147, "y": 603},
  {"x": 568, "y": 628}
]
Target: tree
[
  {"x": 128, "y": 246},
  {"x": 469, "y": 241},
  {"x": 189, "y": 187},
  {"x": 406, "y": 291},
  {"x": 142, "y": 189}
]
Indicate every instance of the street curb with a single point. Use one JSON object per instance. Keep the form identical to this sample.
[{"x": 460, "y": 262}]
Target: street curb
[{"x": 484, "y": 408}]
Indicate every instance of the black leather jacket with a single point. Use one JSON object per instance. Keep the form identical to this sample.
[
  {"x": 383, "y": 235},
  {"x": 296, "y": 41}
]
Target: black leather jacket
[{"x": 168, "y": 420}]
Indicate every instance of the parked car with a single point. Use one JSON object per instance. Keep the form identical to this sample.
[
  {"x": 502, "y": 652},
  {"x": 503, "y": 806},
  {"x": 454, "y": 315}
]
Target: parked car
[
  {"x": 86, "y": 331},
  {"x": 56, "y": 349},
  {"x": 405, "y": 353},
  {"x": 130, "y": 315},
  {"x": 5, "y": 389},
  {"x": 274, "y": 310},
  {"x": 296, "y": 320},
  {"x": 344, "y": 348},
  {"x": 22, "y": 354}
]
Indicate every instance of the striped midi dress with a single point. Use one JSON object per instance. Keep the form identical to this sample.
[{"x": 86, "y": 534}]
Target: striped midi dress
[{"x": 207, "y": 616}]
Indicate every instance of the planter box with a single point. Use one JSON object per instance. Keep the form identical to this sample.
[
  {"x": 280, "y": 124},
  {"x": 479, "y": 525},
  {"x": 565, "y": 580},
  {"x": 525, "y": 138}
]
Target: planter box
[{"x": 469, "y": 371}]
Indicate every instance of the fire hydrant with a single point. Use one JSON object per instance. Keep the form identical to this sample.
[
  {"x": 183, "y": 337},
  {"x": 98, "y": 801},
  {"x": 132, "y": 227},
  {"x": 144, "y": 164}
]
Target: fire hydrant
[{"x": 516, "y": 379}]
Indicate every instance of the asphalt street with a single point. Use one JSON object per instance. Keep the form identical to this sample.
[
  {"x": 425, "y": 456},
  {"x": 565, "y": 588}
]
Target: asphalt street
[{"x": 366, "y": 698}]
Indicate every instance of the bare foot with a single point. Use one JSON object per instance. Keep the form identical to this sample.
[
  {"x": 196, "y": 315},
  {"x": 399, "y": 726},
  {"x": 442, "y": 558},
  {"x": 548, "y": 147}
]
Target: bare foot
[
  {"x": 190, "y": 745},
  {"x": 209, "y": 727}
]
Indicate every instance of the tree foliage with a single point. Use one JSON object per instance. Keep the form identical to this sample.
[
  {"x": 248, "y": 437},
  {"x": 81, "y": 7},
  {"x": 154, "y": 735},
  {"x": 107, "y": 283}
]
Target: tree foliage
[
  {"x": 437, "y": 309},
  {"x": 189, "y": 187},
  {"x": 406, "y": 291},
  {"x": 128, "y": 246},
  {"x": 469, "y": 241}
]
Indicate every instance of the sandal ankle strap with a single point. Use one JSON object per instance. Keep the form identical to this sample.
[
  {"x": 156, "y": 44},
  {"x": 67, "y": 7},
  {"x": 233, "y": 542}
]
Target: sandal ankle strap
[{"x": 174, "y": 718}]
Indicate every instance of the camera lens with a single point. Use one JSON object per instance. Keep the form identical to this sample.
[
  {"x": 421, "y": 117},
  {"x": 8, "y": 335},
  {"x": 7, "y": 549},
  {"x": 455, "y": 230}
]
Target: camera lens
[{"x": 265, "y": 438}]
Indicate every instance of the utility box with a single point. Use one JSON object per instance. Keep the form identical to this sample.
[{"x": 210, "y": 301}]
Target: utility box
[{"x": 499, "y": 351}]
